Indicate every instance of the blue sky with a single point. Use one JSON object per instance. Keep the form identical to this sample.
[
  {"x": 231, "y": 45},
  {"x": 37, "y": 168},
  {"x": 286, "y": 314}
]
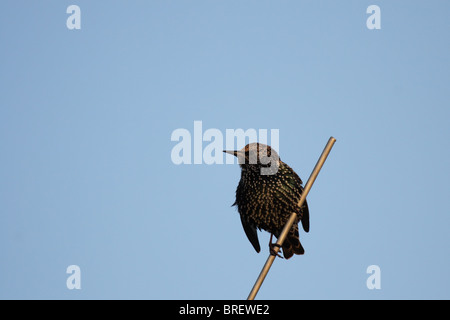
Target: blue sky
[{"x": 86, "y": 118}]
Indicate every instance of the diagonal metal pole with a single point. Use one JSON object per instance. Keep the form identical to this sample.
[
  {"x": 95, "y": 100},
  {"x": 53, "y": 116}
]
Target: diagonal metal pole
[{"x": 292, "y": 218}]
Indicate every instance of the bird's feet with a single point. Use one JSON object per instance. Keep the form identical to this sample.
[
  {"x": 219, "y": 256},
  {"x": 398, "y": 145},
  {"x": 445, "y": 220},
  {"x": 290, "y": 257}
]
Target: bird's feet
[{"x": 273, "y": 252}]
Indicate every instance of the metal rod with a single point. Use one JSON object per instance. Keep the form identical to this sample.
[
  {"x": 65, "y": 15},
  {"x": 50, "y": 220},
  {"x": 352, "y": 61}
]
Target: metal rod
[{"x": 292, "y": 218}]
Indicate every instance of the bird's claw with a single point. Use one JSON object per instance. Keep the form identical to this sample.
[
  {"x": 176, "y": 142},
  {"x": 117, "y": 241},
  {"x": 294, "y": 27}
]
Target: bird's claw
[{"x": 272, "y": 250}]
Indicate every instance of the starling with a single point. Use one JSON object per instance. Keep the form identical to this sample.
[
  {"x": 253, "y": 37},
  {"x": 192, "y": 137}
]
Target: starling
[{"x": 267, "y": 194}]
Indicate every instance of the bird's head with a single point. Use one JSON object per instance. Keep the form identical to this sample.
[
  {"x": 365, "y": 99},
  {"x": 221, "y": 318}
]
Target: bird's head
[{"x": 257, "y": 157}]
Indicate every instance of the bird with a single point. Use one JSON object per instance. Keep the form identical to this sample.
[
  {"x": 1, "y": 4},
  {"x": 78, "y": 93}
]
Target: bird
[{"x": 267, "y": 194}]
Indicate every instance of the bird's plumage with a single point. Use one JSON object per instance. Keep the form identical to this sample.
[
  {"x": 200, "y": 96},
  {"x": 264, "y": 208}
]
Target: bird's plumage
[{"x": 265, "y": 200}]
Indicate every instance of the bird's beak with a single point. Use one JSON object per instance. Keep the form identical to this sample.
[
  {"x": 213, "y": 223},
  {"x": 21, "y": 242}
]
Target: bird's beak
[
  {"x": 238, "y": 154},
  {"x": 234, "y": 153}
]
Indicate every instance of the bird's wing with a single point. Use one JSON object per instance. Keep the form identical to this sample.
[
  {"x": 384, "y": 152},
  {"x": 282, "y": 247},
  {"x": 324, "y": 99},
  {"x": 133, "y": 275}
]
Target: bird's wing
[
  {"x": 251, "y": 233},
  {"x": 293, "y": 186},
  {"x": 305, "y": 216}
]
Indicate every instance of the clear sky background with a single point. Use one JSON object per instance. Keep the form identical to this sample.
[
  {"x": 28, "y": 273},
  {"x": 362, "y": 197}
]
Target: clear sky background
[{"x": 86, "y": 175}]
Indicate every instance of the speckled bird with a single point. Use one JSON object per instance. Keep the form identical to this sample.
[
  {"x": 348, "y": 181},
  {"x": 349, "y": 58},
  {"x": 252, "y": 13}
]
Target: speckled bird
[{"x": 267, "y": 194}]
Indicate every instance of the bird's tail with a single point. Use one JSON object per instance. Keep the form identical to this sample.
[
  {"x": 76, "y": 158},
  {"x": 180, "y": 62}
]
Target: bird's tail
[{"x": 291, "y": 244}]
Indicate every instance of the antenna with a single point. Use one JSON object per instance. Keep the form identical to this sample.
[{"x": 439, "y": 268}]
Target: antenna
[{"x": 291, "y": 220}]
